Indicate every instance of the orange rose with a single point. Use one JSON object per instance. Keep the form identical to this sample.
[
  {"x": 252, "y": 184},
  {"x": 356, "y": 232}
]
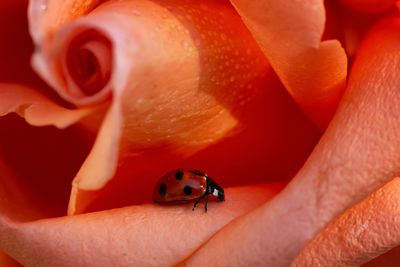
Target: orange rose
[{"x": 135, "y": 88}]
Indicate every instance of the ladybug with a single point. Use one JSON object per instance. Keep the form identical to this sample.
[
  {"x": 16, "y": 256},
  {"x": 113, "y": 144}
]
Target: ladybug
[{"x": 183, "y": 185}]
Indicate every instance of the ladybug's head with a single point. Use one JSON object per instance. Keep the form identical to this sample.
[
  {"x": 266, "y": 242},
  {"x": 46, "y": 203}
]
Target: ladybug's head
[{"x": 221, "y": 194}]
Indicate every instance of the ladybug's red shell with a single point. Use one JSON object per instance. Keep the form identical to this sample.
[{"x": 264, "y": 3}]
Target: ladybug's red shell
[{"x": 180, "y": 185}]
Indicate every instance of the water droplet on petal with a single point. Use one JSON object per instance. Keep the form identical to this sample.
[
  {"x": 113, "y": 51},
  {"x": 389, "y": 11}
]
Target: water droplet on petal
[
  {"x": 43, "y": 5},
  {"x": 165, "y": 14},
  {"x": 223, "y": 36},
  {"x": 136, "y": 12},
  {"x": 74, "y": 7}
]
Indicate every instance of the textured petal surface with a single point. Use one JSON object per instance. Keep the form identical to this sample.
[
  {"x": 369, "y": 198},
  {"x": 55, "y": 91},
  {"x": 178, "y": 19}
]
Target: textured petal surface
[
  {"x": 360, "y": 234},
  {"x": 370, "y": 228}
]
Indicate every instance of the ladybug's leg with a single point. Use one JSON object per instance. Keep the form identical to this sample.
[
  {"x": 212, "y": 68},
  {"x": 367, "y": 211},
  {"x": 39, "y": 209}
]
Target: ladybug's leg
[
  {"x": 200, "y": 198},
  {"x": 205, "y": 207}
]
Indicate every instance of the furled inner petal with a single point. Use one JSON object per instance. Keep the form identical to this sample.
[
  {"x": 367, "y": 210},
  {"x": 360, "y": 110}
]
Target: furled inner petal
[
  {"x": 78, "y": 64},
  {"x": 36, "y": 108},
  {"x": 88, "y": 61}
]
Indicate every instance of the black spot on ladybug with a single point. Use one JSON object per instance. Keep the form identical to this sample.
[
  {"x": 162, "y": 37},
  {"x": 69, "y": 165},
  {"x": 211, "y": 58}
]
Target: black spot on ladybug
[
  {"x": 179, "y": 175},
  {"x": 162, "y": 190},
  {"x": 198, "y": 173},
  {"x": 187, "y": 190}
]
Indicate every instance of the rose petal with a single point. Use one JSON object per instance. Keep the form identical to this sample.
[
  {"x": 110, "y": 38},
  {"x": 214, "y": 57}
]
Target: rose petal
[
  {"x": 347, "y": 25},
  {"x": 77, "y": 64},
  {"x": 30, "y": 97},
  {"x": 360, "y": 234},
  {"x": 37, "y": 109},
  {"x": 146, "y": 235},
  {"x": 47, "y": 17},
  {"x": 358, "y": 153},
  {"x": 289, "y": 32}
]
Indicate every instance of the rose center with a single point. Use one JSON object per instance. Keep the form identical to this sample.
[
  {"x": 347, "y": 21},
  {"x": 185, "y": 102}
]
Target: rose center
[{"x": 89, "y": 62}]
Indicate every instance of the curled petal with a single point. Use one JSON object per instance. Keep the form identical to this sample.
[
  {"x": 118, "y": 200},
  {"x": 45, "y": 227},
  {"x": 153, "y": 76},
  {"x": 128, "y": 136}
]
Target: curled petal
[
  {"x": 88, "y": 61},
  {"x": 37, "y": 109},
  {"x": 80, "y": 72},
  {"x": 289, "y": 33},
  {"x": 21, "y": 91},
  {"x": 77, "y": 63}
]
